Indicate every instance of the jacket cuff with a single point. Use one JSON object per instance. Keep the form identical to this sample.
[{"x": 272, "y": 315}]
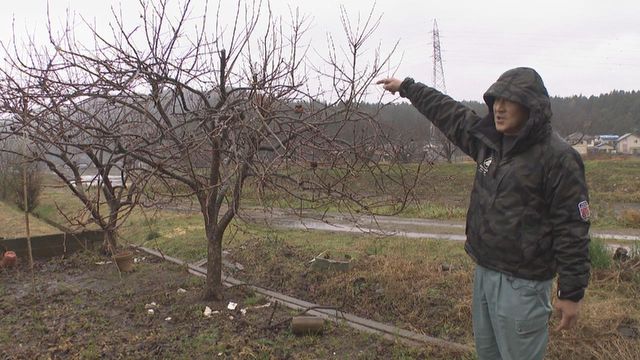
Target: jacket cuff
[
  {"x": 404, "y": 86},
  {"x": 574, "y": 296}
]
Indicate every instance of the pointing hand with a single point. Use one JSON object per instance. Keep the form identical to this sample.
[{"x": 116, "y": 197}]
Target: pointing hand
[{"x": 390, "y": 84}]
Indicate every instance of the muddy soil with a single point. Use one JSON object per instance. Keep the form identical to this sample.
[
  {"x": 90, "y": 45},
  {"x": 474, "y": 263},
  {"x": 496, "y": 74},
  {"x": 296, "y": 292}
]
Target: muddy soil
[{"x": 80, "y": 308}]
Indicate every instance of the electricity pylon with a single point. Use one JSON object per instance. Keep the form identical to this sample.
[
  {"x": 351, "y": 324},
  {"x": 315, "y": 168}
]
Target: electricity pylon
[{"x": 438, "y": 71}]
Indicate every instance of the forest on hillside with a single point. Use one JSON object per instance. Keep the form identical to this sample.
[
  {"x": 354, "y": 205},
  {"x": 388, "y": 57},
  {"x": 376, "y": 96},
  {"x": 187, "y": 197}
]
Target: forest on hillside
[{"x": 617, "y": 112}]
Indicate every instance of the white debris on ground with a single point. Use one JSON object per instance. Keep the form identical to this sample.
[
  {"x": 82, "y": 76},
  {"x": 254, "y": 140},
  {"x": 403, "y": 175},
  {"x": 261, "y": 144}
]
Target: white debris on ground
[
  {"x": 103, "y": 262},
  {"x": 151, "y": 308},
  {"x": 152, "y": 305},
  {"x": 181, "y": 291},
  {"x": 232, "y": 305},
  {"x": 244, "y": 311},
  {"x": 168, "y": 318},
  {"x": 207, "y": 311}
]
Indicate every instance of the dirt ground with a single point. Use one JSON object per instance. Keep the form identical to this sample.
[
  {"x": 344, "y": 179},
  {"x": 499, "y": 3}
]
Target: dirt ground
[
  {"x": 435, "y": 298},
  {"x": 80, "y": 308}
]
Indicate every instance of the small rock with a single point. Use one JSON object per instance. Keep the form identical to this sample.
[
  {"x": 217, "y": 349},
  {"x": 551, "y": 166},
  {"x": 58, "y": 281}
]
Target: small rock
[
  {"x": 150, "y": 311},
  {"x": 207, "y": 311},
  {"x": 181, "y": 291},
  {"x": 621, "y": 254},
  {"x": 629, "y": 332},
  {"x": 243, "y": 311},
  {"x": 446, "y": 267},
  {"x": 151, "y": 306},
  {"x": 168, "y": 318}
]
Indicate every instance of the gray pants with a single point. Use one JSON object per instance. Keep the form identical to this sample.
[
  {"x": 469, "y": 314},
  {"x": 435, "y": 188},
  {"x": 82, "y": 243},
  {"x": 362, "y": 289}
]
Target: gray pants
[{"x": 510, "y": 316}]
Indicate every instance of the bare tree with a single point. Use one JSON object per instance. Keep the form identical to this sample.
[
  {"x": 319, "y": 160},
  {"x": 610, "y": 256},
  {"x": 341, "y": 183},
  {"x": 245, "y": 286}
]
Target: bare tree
[
  {"x": 205, "y": 115},
  {"x": 445, "y": 148},
  {"x": 74, "y": 139},
  {"x": 15, "y": 168}
]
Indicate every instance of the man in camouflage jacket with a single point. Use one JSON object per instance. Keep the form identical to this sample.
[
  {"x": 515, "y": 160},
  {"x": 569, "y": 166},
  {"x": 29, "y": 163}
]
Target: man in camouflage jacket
[{"x": 528, "y": 217}]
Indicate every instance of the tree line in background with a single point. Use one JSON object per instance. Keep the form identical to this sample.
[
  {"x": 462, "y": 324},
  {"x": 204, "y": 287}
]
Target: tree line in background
[{"x": 617, "y": 112}]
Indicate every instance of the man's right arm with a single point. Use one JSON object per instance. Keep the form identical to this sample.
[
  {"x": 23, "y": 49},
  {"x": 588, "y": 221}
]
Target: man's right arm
[{"x": 451, "y": 117}]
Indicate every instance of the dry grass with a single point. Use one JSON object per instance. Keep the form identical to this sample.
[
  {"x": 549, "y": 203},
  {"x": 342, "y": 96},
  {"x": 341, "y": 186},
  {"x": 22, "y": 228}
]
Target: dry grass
[
  {"x": 631, "y": 217},
  {"x": 13, "y": 224},
  {"x": 411, "y": 293},
  {"x": 403, "y": 283}
]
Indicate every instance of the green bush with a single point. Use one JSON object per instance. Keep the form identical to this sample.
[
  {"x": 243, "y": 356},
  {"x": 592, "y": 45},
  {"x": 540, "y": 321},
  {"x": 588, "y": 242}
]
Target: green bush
[{"x": 153, "y": 234}]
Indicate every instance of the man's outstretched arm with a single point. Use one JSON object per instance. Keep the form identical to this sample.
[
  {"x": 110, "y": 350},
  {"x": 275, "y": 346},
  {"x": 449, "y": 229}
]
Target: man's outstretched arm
[{"x": 450, "y": 116}]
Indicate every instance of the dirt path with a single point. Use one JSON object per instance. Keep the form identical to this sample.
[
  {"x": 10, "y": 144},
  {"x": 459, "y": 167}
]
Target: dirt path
[
  {"x": 391, "y": 225},
  {"x": 382, "y": 225}
]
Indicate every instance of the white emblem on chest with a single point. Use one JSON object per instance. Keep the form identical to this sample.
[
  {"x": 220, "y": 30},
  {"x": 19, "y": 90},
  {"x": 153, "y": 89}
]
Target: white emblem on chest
[{"x": 483, "y": 167}]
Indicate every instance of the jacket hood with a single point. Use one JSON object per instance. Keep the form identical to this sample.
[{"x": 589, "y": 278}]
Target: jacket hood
[{"x": 524, "y": 86}]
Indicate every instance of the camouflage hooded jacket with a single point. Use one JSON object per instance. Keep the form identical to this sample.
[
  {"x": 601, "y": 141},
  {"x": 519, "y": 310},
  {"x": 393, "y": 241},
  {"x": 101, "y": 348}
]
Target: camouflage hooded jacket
[{"x": 528, "y": 214}]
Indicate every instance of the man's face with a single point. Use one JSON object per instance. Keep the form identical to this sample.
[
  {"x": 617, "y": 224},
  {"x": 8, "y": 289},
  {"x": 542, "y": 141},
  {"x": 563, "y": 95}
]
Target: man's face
[{"x": 509, "y": 116}]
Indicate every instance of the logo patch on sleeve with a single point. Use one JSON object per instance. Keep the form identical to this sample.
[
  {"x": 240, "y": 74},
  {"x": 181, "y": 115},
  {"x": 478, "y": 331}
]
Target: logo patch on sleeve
[
  {"x": 483, "y": 167},
  {"x": 585, "y": 213}
]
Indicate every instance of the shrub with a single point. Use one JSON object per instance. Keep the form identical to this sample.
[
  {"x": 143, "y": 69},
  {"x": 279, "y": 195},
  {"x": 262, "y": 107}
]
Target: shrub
[
  {"x": 13, "y": 166},
  {"x": 34, "y": 187}
]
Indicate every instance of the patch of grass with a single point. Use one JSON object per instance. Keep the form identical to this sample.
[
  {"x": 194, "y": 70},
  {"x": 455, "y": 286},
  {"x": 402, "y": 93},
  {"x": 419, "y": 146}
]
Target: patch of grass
[
  {"x": 153, "y": 234},
  {"x": 600, "y": 254},
  {"x": 91, "y": 351},
  {"x": 254, "y": 299},
  {"x": 206, "y": 342},
  {"x": 13, "y": 223}
]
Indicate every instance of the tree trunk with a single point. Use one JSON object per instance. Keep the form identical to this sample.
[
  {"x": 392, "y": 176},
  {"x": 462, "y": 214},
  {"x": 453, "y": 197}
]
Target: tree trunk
[
  {"x": 110, "y": 242},
  {"x": 213, "y": 286}
]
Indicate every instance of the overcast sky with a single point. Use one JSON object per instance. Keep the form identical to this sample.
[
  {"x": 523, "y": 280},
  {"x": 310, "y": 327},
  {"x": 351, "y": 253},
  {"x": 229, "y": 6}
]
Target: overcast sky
[{"x": 579, "y": 47}]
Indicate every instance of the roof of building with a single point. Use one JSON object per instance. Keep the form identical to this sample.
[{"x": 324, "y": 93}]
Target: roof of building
[{"x": 627, "y": 135}]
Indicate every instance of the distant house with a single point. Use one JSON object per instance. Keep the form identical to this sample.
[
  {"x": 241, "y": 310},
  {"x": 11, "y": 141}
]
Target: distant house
[
  {"x": 607, "y": 139},
  {"x": 604, "y": 144},
  {"x": 604, "y": 148},
  {"x": 581, "y": 142},
  {"x": 628, "y": 144}
]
